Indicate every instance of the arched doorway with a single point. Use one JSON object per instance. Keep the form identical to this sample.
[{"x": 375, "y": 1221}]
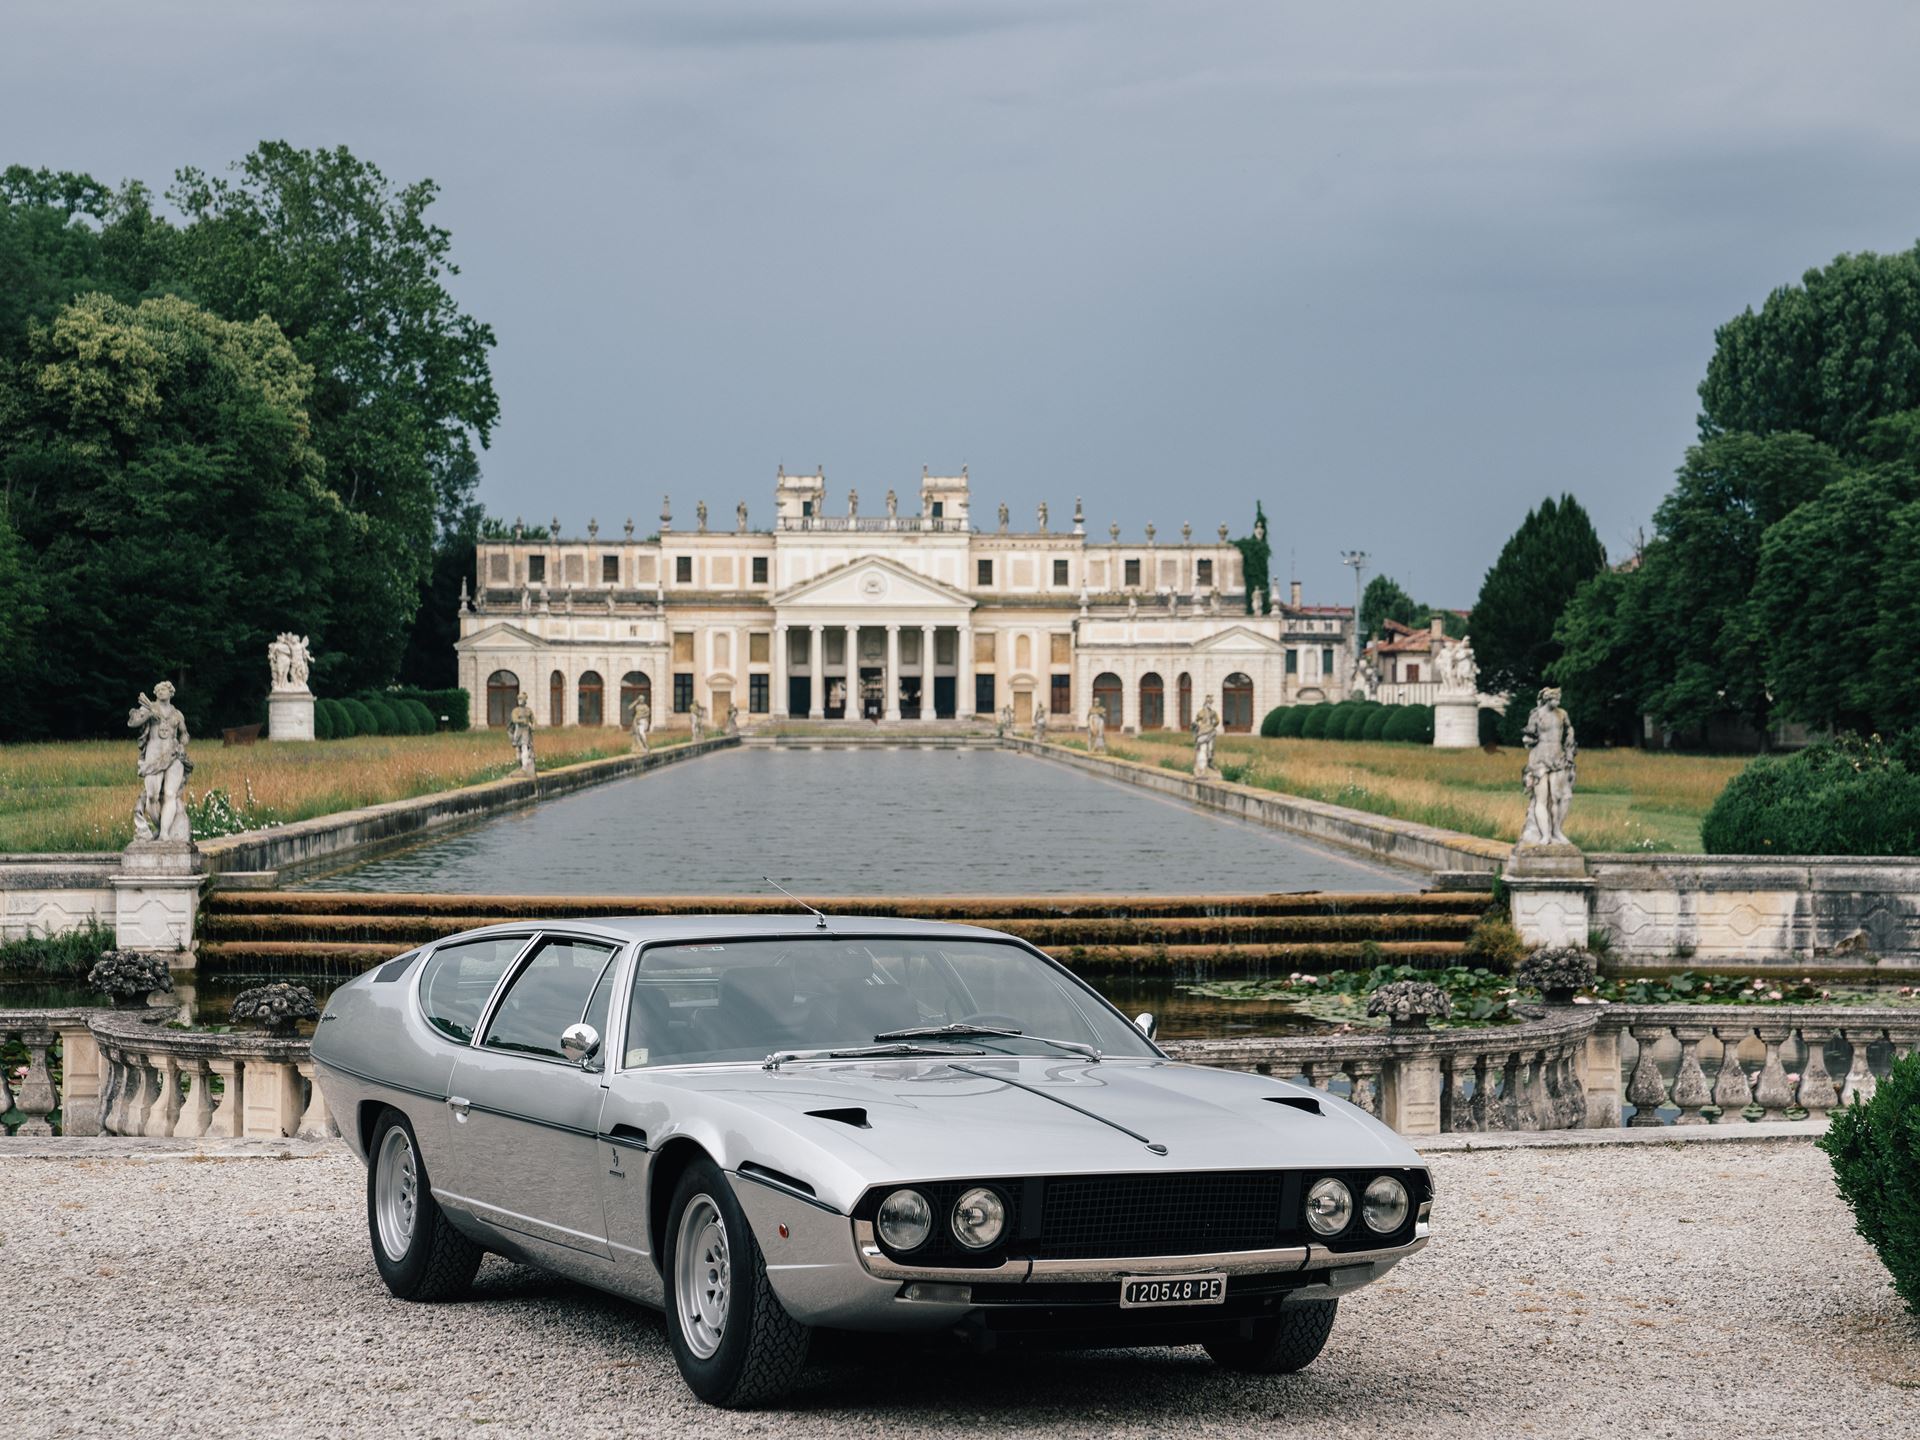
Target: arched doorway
[
  {"x": 503, "y": 688},
  {"x": 1108, "y": 691},
  {"x": 592, "y": 692},
  {"x": 556, "y": 700},
  {"x": 1153, "y": 702},
  {"x": 1186, "y": 701},
  {"x": 1236, "y": 703},
  {"x": 634, "y": 687}
]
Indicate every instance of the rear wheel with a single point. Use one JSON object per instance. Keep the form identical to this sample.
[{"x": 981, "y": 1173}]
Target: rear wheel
[
  {"x": 1287, "y": 1342},
  {"x": 419, "y": 1254},
  {"x": 735, "y": 1344}
]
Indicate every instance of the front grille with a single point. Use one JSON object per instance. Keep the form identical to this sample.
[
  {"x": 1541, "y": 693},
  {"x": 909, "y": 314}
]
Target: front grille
[{"x": 1097, "y": 1217}]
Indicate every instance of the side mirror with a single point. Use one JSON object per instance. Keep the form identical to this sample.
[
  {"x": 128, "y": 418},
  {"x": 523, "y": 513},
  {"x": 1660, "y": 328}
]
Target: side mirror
[
  {"x": 1146, "y": 1023},
  {"x": 580, "y": 1043}
]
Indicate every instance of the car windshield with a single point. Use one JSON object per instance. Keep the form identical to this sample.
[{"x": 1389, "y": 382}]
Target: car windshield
[{"x": 740, "y": 1000}]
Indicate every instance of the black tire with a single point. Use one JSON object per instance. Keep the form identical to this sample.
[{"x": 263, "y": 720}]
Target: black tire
[
  {"x": 761, "y": 1349},
  {"x": 1288, "y": 1342},
  {"x": 436, "y": 1262}
]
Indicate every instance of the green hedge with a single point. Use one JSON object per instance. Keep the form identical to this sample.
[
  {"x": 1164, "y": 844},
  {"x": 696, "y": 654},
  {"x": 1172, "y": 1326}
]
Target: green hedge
[
  {"x": 1410, "y": 723},
  {"x": 425, "y": 722},
  {"x": 453, "y": 704},
  {"x": 1875, "y": 1149},
  {"x": 1270, "y": 726},
  {"x": 340, "y": 724},
  {"x": 322, "y": 721},
  {"x": 362, "y": 717},
  {"x": 1314, "y": 727},
  {"x": 1839, "y": 797},
  {"x": 1292, "y": 717},
  {"x": 1376, "y": 723}
]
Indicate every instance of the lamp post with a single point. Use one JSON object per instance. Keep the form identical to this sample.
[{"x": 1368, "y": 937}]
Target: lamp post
[{"x": 1358, "y": 560}]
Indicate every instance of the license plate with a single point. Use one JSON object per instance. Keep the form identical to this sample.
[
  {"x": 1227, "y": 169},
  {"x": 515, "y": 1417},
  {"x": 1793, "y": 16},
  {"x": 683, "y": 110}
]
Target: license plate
[{"x": 1139, "y": 1290}]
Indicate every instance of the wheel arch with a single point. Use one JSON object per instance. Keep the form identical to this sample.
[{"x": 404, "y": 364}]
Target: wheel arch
[{"x": 670, "y": 1162}]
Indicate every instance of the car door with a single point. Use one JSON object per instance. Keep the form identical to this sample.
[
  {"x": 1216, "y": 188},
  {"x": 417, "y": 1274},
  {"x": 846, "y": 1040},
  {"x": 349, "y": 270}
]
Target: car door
[{"x": 525, "y": 1118}]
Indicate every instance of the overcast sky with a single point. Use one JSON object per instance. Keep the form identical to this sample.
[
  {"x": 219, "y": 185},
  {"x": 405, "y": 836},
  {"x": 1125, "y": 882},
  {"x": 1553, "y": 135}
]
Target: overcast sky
[{"x": 1397, "y": 270}]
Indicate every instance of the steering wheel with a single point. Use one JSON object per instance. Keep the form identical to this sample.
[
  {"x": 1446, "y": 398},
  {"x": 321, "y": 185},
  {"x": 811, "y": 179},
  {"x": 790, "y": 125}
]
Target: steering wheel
[{"x": 994, "y": 1019}]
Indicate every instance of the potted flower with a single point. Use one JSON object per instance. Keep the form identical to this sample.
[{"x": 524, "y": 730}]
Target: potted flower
[
  {"x": 1409, "y": 1004},
  {"x": 1559, "y": 974},
  {"x": 276, "y": 1008},
  {"x": 128, "y": 977}
]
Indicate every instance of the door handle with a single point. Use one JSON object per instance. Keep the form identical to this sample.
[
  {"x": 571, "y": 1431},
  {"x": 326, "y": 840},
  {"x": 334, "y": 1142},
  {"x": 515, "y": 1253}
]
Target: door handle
[{"x": 459, "y": 1107}]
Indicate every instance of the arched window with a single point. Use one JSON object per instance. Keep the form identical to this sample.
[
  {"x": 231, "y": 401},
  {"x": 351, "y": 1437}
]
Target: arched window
[
  {"x": 592, "y": 690},
  {"x": 1107, "y": 691},
  {"x": 1153, "y": 702},
  {"x": 634, "y": 687},
  {"x": 1023, "y": 653},
  {"x": 1236, "y": 704},
  {"x": 556, "y": 700},
  {"x": 503, "y": 688},
  {"x": 1186, "y": 701}
]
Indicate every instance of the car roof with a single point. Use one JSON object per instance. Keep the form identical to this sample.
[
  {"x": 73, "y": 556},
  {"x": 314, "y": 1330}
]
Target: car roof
[{"x": 655, "y": 929}]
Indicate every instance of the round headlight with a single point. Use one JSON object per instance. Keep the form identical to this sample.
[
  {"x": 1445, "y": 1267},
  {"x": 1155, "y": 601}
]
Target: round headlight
[
  {"x": 1385, "y": 1205},
  {"x": 979, "y": 1218},
  {"x": 905, "y": 1220},
  {"x": 1329, "y": 1207}
]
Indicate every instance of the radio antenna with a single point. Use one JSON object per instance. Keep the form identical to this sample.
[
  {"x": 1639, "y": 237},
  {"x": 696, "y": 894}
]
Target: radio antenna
[{"x": 822, "y": 919}]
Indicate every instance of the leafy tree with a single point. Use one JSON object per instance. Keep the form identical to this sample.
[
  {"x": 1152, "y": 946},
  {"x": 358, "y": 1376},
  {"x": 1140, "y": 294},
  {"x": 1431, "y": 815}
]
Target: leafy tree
[
  {"x": 1548, "y": 558},
  {"x": 1826, "y": 357},
  {"x": 429, "y": 661},
  {"x": 1256, "y": 555},
  {"x": 1384, "y": 600},
  {"x": 22, "y": 616},
  {"x": 1601, "y": 669},
  {"x": 159, "y": 465}
]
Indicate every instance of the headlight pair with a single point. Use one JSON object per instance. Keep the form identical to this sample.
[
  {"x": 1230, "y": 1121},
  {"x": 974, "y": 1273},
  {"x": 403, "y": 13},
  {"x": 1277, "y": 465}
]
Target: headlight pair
[
  {"x": 1383, "y": 1205},
  {"x": 978, "y": 1219}
]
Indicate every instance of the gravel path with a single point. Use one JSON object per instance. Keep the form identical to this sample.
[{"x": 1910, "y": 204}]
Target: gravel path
[{"x": 1624, "y": 1292}]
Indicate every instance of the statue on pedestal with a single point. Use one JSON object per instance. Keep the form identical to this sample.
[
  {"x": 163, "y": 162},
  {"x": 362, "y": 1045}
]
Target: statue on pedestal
[
  {"x": 853, "y": 504},
  {"x": 1040, "y": 723},
  {"x": 1455, "y": 669},
  {"x": 164, "y": 767},
  {"x": 1549, "y": 775},
  {"x": 1003, "y": 723},
  {"x": 740, "y": 517},
  {"x": 290, "y": 660},
  {"x": 1133, "y": 607},
  {"x": 733, "y": 720},
  {"x": 1206, "y": 730},
  {"x": 700, "y": 516},
  {"x": 1097, "y": 728},
  {"x": 697, "y": 719},
  {"x": 642, "y": 723},
  {"x": 520, "y": 732},
  {"x": 893, "y": 505},
  {"x": 1042, "y": 512},
  {"x": 1003, "y": 517}
]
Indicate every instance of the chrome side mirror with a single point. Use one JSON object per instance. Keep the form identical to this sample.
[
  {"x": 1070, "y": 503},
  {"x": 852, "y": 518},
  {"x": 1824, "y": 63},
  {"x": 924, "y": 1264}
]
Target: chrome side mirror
[
  {"x": 580, "y": 1043},
  {"x": 1146, "y": 1023}
]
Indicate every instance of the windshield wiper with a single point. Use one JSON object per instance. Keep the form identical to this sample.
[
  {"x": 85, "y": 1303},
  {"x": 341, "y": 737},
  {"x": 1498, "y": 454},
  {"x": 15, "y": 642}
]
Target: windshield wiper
[
  {"x": 928, "y": 1032},
  {"x": 861, "y": 1052}
]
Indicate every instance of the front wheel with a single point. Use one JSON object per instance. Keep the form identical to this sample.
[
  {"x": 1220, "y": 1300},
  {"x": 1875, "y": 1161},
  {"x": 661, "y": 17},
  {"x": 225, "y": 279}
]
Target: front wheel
[
  {"x": 420, "y": 1255},
  {"x": 1289, "y": 1341},
  {"x": 735, "y": 1344}
]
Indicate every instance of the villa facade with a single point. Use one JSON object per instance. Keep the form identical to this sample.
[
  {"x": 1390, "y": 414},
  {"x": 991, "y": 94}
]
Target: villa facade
[{"x": 895, "y": 615}]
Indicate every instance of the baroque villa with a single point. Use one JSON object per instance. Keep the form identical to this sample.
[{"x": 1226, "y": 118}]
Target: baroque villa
[{"x": 888, "y": 614}]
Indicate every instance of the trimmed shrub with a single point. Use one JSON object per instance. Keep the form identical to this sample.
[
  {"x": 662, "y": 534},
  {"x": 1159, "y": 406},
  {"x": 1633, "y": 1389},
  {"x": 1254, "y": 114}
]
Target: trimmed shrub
[
  {"x": 1376, "y": 721},
  {"x": 1292, "y": 717},
  {"x": 1314, "y": 727},
  {"x": 322, "y": 721},
  {"x": 363, "y": 721},
  {"x": 1489, "y": 725},
  {"x": 1845, "y": 796},
  {"x": 424, "y": 722},
  {"x": 1875, "y": 1150},
  {"x": 1340, "y": 723},
  {"x": 1270, "y": 726},
  {"x": 451, "y": 703},
  {"x": 385, "y": 719},
  {"x": 343, "y": 724},
  {"x": 1413, "y": 724}
]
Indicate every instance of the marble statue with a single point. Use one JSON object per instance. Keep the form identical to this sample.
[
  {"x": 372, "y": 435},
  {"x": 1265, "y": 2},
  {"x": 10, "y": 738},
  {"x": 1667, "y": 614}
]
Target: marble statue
[
  {"x": 740, "y": 517},
  {"x": 700, "y": 516},
  {"x": 1133, "y": 607},
  {"x": 1003, "y": 517},
  {"x": 1213, "y": 601},
  {"x": 853, "y": 503},
  {"x": 642, "y": 723},
  {"x": 697, "y": 719},
  {"x": 837, "y": 696},
  {"x": 1040, "y": 723},
  {"x": 1097, "y": 728},
  {"x": 1206, "y": 730},
  {"x": 1004, "y": 725},
  {"x": 520, "y": 732},
  {"x": 1042, "y": 512},
  {"x": 1455, "y": 669},
  {"x": 893, "y": 504},
  {"x": 1549, "y": 775},
  {"x": 290, "y": 660},
  {"x": 733, "y": 720},
  {"x": 1173, "y": 605},
  {"x": 160, "y": 814}
]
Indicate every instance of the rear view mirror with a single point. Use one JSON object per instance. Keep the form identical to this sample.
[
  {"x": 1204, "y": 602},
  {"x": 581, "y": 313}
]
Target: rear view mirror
[{"x": 580, "y": 1043}]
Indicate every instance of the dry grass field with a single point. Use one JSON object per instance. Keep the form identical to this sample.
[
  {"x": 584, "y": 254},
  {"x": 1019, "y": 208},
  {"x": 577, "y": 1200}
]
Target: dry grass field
[
  {"x": 1626, "y": 800},
  {"x": 79, "y": 795}
]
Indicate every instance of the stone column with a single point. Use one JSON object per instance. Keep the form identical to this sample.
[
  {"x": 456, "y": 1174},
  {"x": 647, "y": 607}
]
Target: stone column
[
  {"x": 963, "y": 673},
  {"x": 778, "y": 707},
  {"x": 1411, "y": 1087},
  {"x": 926, "y": 672},
  {"x": 891, "y": 682},
  {"x": 227, "y": 1121},
  {"x": 315, "y": 1122},
  {"x": 853, "y": 707},
  {"x": 816, "y": 681},
  {"x": 271, "y": 1100},
  {"x": 81, "y": 1072}
]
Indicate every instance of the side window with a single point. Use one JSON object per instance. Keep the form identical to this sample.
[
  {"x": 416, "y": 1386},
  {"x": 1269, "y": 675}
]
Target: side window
[
  {"x": 549, "y": 994},
  {"x": 458, "y": 980}
]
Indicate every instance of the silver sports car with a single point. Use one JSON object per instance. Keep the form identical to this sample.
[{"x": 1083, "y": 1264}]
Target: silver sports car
[{"x": 768, "y": 1125}]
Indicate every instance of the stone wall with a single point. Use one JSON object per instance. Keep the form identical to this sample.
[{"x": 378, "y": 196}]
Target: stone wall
[{"x": 49, "y": 894}]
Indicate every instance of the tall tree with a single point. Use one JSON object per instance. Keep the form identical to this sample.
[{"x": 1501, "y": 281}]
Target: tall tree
[
  {"x": 22, "y": 620},
  {"x": 1256, "y": 556},
  {"x": 1384, "y": 600},
  {"x": 356, "y": 276},
  {"x": 1548, "y": 558},
  {"x": 1826, "y": 357},
  {"x": 1602, "y": 668}
]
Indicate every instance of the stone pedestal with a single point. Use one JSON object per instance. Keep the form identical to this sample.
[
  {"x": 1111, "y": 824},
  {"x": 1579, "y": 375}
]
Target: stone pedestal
[
  {"x": 155, "y": 897},
  {"x": 1410, "y": 1093},
  {"x": 1456, "y": 722},
  {"x": 1551, "y": 894},
  {"x": 290, "y": 715}
]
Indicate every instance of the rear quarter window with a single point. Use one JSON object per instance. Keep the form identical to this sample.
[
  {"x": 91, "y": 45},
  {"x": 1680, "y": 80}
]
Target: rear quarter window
[{"x": 459, "y": 979}]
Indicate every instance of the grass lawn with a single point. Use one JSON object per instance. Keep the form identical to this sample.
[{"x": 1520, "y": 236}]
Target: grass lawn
[
  {"x": 79, "y": 795},
  {"x": 1624, "y": 799}
]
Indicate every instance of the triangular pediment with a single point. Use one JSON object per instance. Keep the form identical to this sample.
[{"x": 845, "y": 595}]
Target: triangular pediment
[
  {"x": 875, "y": 583},
  {"x": 498, "y": 636},
  {"x": 1238, "y": 640}
]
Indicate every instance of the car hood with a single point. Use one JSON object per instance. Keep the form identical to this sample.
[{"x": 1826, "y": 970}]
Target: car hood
[{"x": 927, "y": 1119}]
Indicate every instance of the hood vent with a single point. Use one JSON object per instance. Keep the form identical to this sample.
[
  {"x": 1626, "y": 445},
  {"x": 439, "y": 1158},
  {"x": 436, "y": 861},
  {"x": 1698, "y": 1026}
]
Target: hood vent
[
  {"x": 1298, "y": 1102},
  {"x": 853, "y": 1115}
]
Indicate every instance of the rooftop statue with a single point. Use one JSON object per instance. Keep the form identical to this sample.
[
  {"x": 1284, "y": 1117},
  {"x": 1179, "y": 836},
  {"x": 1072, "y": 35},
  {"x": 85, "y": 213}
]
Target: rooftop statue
[
  {"x": 164, "y": 767},
  {"x": 1003, "y": 517},
  {"x": 740, "y": 517},
  {"x": 700, "y": 516},
  {"x": 1549, "y": 775},
  {"x": 893, "y": 504},
  {"x": 1043, "y": 517}
]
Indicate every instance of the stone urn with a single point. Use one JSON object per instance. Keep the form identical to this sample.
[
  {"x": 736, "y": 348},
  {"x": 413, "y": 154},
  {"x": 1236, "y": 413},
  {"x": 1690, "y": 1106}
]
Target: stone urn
[
  {"x": 1558, "y": 974},
  {"x": 128, "y": 977},
  {"x": 1410, "y": 1004},
  {"x": 275, "y": 1008}
]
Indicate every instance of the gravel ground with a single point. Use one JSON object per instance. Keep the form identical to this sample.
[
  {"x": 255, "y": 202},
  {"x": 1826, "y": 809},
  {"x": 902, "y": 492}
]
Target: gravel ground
[{"x": 1624, "y": 1291}]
